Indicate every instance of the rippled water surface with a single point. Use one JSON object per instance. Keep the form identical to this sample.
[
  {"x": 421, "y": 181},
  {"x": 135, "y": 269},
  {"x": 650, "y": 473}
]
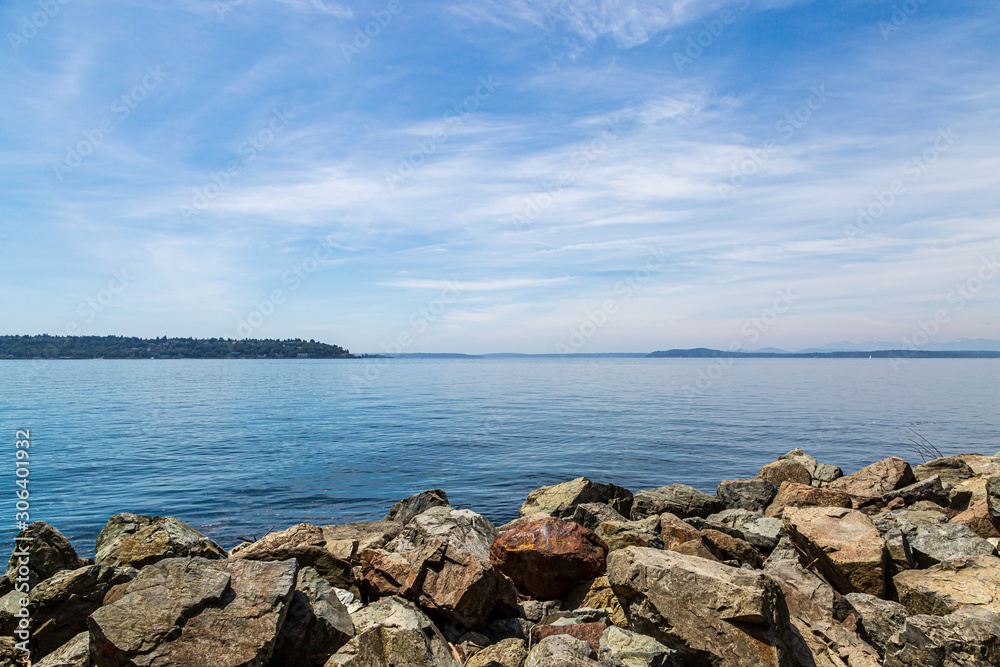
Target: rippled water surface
[{"x": 236, "y": 447}]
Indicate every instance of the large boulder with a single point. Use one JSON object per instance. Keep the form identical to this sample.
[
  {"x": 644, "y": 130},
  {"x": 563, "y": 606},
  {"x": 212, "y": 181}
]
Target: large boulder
[
  {"x": 786, "y": 470},
  {"x": 406, "y": 509},
  {"x": 561, "y": 651},
  {"x": 194, "y": 611},
  {"x": 950, "y": 469},
  {"x": 133, "y": 540},
  {"x": 595, "y": 594},
  {"x": 762, "y": 532},
  {"x": 461, "y": 528},
  {"x": 710, "y": 613},
  {"x": 393, "y": 632},
  {"x": 591, "y": 515},
  {"x": 980, "y": 519},
  {"x": 60, "y": 605},
  {"x": 733, "y": 548},
  {"x": 968, "y": 637},
  {"x": 560, "y": 500},
  {"x": 630, "y": 649},
  {"x": 678, "y": 499},
  {"x": 791, "y": 494},
  {"x": 349, "y": 540},
  {"x": 675, "y": 531},
  {"x": 929, "y": 489},
  {"x": 547, "y": 556},
  {"x": 944, "y": 588},
  {"x": 746, "y": 494},
  {"x": 316, "y": 626},
  {"x": 74, "y": 653},
  {"x": 876, "y": 480},
  {"x": 43, "y": 551},
  {"x": 933, "y": 544},
  {"x": 845, "y": 544},
  {"x": 441, "y": 578},
  {"x": 621, "y": 534},
  {"x": 880, "y": 619},
  {"x": 505, "y": 653},
  {"x": 309, "y": 546}
]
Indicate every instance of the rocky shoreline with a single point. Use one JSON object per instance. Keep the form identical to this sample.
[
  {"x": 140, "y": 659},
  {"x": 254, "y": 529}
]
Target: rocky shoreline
[{"x": 800, "y": 566}]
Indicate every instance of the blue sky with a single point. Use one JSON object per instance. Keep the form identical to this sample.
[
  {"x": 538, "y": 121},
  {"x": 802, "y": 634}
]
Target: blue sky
[{"x": 479, "y": 176}]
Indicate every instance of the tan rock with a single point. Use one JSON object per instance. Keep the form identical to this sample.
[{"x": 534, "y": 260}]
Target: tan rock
[
  {"x": 876, "y": 480},
  {"x": 621, "y": 534},
  {"x": 979, "y": 519},
  {"x": 733, "y": 548},
  {"x": 560, "y": 500},
  {"x": 791, "y": 494},
  {"x": 675, "y": 531},
  {"x": 700, "y": 548},
  {"x": 845, "y": 544},
  {"x": 944, "y": 588},
  {"x": 785, "y": 470},
  {"x": 588, "y": 632},
  {"x": 596, "y": 594},
  {"x": 952, "y": 470}
]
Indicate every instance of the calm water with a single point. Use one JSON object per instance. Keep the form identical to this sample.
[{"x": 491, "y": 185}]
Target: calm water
[{"x": 236, "y": 447}]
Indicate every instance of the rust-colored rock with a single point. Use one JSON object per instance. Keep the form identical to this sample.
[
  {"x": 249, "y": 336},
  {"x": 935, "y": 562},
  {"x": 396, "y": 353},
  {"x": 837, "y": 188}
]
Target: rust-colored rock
[
  {"x": 588, "y": 632},
  {"x": 876, "y": 480},
  {"x": 675, "y": 531},
  {"x": 791, "y": 494},
  {"x": 547, "y": 556}
]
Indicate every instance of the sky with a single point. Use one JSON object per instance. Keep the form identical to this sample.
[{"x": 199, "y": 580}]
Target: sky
[{"x": 484, "y": 176}]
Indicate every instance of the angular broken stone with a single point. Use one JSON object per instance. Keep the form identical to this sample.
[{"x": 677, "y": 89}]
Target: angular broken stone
[
  {"x": 880, "y": 619},
  {"x": 630, "y": 649},
  {"x": 506, "y": 653},
  {"x": 407, "y": 508},
  {"x": 675, "y": 531},
  {"x": 979, "y": 518},
  {"x": 678, "y": 499},
  {"x": 48, "y": 552},
  {"x": 621, "y": 534},
  {"x": 945, "y": 587},
  {"x": 791, "y": 494},
  {"x": 596, "y": 594},
  {"x": 134, "y": 540},
  {"x": 560, "y": 500},
  {"x": 308, "y": 546},
  {"x": 876, "y": 480},
  {"x": 316, "y": 626},
  {"x": 746, "y": 494},
  {"x": 462, "y": 528},
  {"x": 561, "y": 651},
  {"x": 929, "y": 488},
  {"x": 968, "y": 637},
  {"x": 785, "y": 470},
  {"x": 951, "y": 470},
  {"x": 733, "y": 548},
  {"x": 591, "y": 515},
  {"x": 74, "y": 653},
  {"x": 588, "y": 632}
]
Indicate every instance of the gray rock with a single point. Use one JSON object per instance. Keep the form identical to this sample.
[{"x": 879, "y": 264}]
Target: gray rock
[
  {"x": 561, "y": 651},
  {"x": 993, "y": 496},
  {"x": 406, "y": 509},
  {"x": 948, "y": 541},
  {"x": 880, "y": 619},
  {"x": 621, "y": 534},
  {"x": 946, "y": 587},
  {"x": 506, "y": 653},
  {"x": 43, "y": 550},
  {"x": 631, "y": 649},
  {"x": 574, "y": 616},
  {"x": 349, "y": 540},
  {"x": 316, "y": 626},
  {"x": 951, "y": 469},
  {"x": 747, "y": 494},
  {"x": 187, "y": 611},
  {"x": 561, "y": 500},
  {"x": 535, "y": 610},
  {"x": 461, "y": 528},
  {"x": 968, "y": 637},
  {"x": 678, "y": 499},
  {"x": 591, "y": 515},
  {"x": 929, "y": 488},
  {"x": 74, "y": 653},
  {"x": 711, "y": 613},
  {"x": 509, "y": 628},
  {"x": 393, "y": 632},
  {"x": 899, "y": 549},
  {"x": 762, "y": 532},
  {"x": 132, "y": 540},
  {"x": 784, "y": 551},
  {"x": 826, "y": 473}
]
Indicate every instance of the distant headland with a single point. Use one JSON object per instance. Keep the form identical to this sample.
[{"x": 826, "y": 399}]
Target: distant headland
[{"x": 126, "y": 347}]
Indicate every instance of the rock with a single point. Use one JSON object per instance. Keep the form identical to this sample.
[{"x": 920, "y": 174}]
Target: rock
[
  {"x": 534, "y": 610},
  {"x": 945, "y": 587},
  {"x": 461, "y": 528},
  {"x": 560, "y": 500},
  {"x": 951, "y": 470},
  {"x": 967, "y": 492},
  {"x": 846, "y": 545},
  {"x": 979, "y": 519},
  {"x": 820, "y": 637},
  {"x": 699, "y": 548},
  {"x": 132, "y": 540},
  {"x": 442, "y": 578},
  {"x": 982, "y": 465},
  {"x": 783, "y": 552},
  {"x": 926, "y": 489},
  {"x": 933, "y": 544},
  {"x": 187, "y": 611},
  {"x": 880, "y": 619},
  {"x": 348, "y": 541},
  {"x": 678, "y": 499},
  {"x": 509, "y": 628},
  {"x": 74, "y": 653},
  {"x": 591, "y": 515},
  {"x": 60, "y": 605},
  {"x": 630, "y": 649},
  {"x": 826, "y": 473},
  {"x": 308, "y": 545},
  {"x": 596, "y": 594},
  {"x": 406, "y": 509},
  {"x": 791, "y": 494},
  {"x": 786, "y": 470},
  {"x": 762, "y": 532},
  {"x": 747, "y": 494},
  {"x": 581, "y": 615},
  {"x": 44, "y": 550},
  {"x": 876, "y": 480},
  {"x": 588, "y": 632},
  {"x": 967, "y": 638},
  {"x": 675, "y": 531},
  {"x": 506, "y": 653},
  {"x": 621, "y": 534},
  {"x": 708, "y": 612},
  {"x": 898, "y": 548},
  {"x": 993, "y": 497},
  {"x": 732, "y": 548},
  {"x": 316, "y": 626},
  {"x": 561, "y": 651},
  {"x": 549, "y": 555},
  {"x": 799, "y": 456},
  {"x": 393, "y": 632}
]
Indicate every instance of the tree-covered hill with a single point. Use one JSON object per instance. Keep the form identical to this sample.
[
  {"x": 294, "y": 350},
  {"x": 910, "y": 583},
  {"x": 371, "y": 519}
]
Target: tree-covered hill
[{"x": 125, "y": 347}]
